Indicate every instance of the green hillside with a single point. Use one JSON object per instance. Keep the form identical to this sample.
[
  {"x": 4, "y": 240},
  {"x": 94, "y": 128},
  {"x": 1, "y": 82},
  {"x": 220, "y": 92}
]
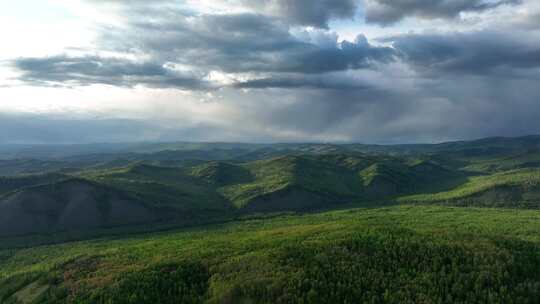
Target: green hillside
[
  {"x": 529, "y": 159},
  {"x": 163, "y": 187},
  {"x": 12, "y": 183},
  {"x": 217, "y": 190},
  {"x": 69, "y": 205},
  {"x": 222, "y": 174},
  {"x": 186, "y": 187},
  {"x": 303, "y": 174},
  {"x": 517, "y": 188},
  {"x": 393, "y": 255}
]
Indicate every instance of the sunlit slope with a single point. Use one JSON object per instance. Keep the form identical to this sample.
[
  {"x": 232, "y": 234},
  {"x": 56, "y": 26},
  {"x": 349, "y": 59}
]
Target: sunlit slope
[
  {"x": 304, "y": 182},
  {"x": 516, "y": 188},
  {"x": 529, "y": 159}
]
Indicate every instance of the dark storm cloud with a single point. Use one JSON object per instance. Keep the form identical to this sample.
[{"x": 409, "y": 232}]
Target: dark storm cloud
[
  {"x": 316, "y": 13},
  {"x": 243, "y": 43},
  {"x": 292, "y": 82},
  {"x": 390, "y": 11},
  {"x": 309, "y": 85},
  {"x": 449, "y": 107},
  {"x": 229, "y": 43},
  {"x": 481, "y": 52},
  {"x": 349, "y": 55},
  {"x": 306, "y": 12},
  {"x": 88, "y": 70}
]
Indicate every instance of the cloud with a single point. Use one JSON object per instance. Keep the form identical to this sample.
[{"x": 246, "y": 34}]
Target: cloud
[
  {"x": 332, "y": 81},
  {"x": 297, "y": 82},
  {"x": 386, "y": 12},
  {"x": 274, "y": 79},
  {"x": 527, "y": 17},
  {"x": 399, "y": 109},
  {"x": 477, "y": 52},
  {"x": 315, "y": 13},
  {"x": 88, "y": 70},
  {"x": 242, "y": 43},
  {"x": 182, "y": 49}
]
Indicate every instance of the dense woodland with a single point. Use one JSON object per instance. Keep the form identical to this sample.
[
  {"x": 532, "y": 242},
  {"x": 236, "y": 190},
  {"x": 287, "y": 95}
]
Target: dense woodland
[{"x": 386, "y": 255}]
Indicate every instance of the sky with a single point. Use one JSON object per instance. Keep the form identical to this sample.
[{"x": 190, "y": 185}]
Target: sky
[{"x": 370, "y": 71}]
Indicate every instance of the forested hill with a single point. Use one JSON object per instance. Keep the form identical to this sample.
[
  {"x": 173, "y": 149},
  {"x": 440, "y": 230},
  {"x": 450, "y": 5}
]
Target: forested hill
[{"x": 205, "y": 183}]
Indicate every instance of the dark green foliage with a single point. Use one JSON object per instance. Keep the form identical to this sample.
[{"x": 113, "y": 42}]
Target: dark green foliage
[
  {"x": 222, "y": 174},
  {"x": 8, "y": 184},
  {"x": 163, "y": 187},
  {"x": 396, "y": 267},
  {"x": 174, "y": 283},
  {"x": 29, "y": 166},
  {"x": 69, "y": 205}
]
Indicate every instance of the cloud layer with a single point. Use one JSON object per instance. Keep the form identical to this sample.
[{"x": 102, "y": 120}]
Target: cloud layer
[
  {"x": 389, "y": 11},
  {"x": 315, "y": 13},
  {"x": 276, "y": 70},
  {"x": 88, "y": 70}
]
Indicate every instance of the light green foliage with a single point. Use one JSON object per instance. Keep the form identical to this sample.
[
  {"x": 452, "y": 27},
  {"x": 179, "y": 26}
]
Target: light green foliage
[
  {"x": 162, "y": 187},
  {"x": 529, "y": 159},
  {"x": 268, "y": 176},
  {"x": 319, "y": 175},
  {"x": 526, "y": 180}
]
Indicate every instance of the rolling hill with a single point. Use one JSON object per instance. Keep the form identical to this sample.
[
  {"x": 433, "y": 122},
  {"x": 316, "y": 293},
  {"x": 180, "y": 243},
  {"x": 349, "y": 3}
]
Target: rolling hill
[
  {"x": 11, "y": 183},
  {"x": 213, "y": 190},
  {"x": 68, "y": 205},
  {"x": 514, "y": 189},
  {"x": 254, "y": 224},
  {"x": 189, "y": 184}
]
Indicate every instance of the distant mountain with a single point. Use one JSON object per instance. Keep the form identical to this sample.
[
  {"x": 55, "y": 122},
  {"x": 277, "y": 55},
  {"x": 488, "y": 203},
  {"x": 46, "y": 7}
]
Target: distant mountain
[{"x": 248, "y": 151}]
